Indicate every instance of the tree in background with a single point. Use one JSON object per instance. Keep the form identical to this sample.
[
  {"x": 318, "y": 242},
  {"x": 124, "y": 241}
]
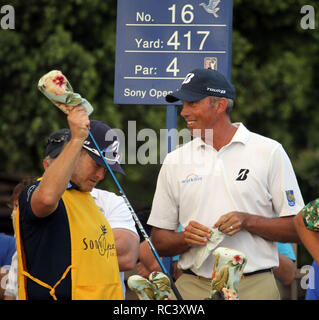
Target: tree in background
[{"x": 274, "y": 69}]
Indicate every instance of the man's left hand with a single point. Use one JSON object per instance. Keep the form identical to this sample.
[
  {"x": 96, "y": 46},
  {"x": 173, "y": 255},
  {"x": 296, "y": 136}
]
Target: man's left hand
[{"x": 232, "y": 222}]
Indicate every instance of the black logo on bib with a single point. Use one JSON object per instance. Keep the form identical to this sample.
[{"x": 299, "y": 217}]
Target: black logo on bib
[
  {"x": 100, "y": 244},
  {"x": 242, "y": 175}
]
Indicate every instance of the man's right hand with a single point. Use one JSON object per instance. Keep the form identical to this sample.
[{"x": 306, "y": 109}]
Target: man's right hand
[
  {"x": 196, "y": 234},
  {"x": 79, "y": 123}
]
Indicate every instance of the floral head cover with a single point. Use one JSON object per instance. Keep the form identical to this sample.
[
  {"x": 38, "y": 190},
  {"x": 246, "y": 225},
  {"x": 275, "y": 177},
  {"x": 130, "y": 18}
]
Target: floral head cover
[
  {"x": 55, "y": 86},
  {"x": 156, "y": 287},
  {"x": 228, "y": 269}
]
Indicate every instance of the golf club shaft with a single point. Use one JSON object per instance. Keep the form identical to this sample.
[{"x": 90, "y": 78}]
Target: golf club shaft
[{"x": 136, "y": 219}]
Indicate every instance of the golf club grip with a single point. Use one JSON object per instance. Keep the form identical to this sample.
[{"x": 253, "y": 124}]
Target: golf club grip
[{"x": 136, "y": 219}]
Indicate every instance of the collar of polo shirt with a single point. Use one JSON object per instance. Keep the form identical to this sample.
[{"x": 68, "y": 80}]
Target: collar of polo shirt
[{"x": 241, "y": 135}]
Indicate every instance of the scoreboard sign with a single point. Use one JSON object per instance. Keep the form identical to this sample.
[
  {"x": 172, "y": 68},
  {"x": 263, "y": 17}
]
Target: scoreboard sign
[{"x": 159, "y": 41}]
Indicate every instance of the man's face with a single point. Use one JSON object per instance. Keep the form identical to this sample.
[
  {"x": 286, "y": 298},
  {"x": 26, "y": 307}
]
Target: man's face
[
  {"x": 199, "y": 115},
  {"x": 87, "y": 173}
]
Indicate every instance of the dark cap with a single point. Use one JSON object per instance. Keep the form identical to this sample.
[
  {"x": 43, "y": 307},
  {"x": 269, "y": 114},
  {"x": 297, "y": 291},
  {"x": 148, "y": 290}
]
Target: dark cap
[
  {"x": 56, "y": 142},
  {"x": 201, "y": 83},
  {"x": 108, "y": 143}
]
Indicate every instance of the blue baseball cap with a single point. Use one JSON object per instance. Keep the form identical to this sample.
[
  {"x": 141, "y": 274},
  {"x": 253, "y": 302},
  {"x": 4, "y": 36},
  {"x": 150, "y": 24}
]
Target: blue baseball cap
[
  {"x": 55, "y": 142},
  {"x": 201, "y": 83},
  {"x": 108, "y": 143},
  {"x": 103, "y": 135}
]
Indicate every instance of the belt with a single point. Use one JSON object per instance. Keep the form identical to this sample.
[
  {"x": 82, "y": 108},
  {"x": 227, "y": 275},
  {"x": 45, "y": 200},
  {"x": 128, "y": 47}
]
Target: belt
[
  {"x": 189, "y": 271},
  {"x": 257, "y": 271}
]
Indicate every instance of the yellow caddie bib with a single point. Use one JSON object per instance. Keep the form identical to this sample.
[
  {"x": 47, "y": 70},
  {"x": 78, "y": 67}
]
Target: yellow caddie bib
[{"x": 94, "y": 265}]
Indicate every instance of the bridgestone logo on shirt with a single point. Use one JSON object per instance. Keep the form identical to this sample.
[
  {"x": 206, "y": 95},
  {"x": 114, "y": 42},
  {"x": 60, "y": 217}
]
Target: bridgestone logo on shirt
[{"x": 242, "y": 174}]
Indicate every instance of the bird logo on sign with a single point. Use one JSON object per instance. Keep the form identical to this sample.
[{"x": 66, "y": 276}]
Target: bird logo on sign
[{"x": 211, "y": 7}]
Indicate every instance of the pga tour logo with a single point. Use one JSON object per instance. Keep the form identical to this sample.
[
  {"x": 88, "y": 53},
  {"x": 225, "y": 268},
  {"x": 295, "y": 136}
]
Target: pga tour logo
[{"x": 7, "y": 17}]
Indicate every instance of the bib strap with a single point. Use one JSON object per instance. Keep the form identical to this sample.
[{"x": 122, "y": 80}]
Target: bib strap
[{"x": 43, "y": 284}]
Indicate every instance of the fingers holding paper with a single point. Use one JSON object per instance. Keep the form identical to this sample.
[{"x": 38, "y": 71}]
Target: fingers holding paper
[
  {"x": 231, "y": 223},
  {"x": 196, "y": 234}
]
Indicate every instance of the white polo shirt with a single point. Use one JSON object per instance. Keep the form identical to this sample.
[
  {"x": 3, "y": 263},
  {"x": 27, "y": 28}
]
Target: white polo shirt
[
  {"x": 251, "y": 174},
  {"x": 114, "y": 209}
]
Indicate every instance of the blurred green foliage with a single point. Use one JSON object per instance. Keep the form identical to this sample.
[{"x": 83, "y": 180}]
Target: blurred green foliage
[{"x": 275, "y": 71}]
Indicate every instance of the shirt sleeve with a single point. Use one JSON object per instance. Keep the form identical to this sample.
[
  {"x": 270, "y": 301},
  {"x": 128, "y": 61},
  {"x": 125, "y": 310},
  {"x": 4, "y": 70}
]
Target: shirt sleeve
[
  {"x": 283, "y": 185},
  {"x": 26, "y": 212},
  {"x": 115, "y": 210},
  {"x": 164, "y": 212}
]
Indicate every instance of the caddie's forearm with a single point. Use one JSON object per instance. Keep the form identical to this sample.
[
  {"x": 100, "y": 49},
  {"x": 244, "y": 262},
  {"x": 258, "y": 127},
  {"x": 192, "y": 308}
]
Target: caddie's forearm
[
  {"x": 168, "y": 243},
  {"x": 127, "y": 248},
  {"x": 55, "y": 180},
  {"x": 276, "y": 229}
]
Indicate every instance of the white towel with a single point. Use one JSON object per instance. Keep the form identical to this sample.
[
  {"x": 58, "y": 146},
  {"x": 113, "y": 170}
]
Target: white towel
[{"x": 202, "y": 254}]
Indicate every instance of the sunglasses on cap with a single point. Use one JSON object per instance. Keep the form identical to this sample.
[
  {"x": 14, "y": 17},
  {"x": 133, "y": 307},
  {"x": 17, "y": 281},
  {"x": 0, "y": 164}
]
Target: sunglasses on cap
[
  {"x": 111, "y": 155},
  {"x": 57, "y": 140}
]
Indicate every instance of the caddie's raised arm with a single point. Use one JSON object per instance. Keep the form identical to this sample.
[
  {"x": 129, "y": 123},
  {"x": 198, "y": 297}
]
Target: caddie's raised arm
[{"x": 46, "y": 197}]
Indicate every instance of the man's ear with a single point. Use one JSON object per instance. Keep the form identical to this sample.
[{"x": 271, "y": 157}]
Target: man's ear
[
  {"x": 45, "y": 164},
  {"x": 221, "y": 105},
  {"x": 47, "y": 161}
]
